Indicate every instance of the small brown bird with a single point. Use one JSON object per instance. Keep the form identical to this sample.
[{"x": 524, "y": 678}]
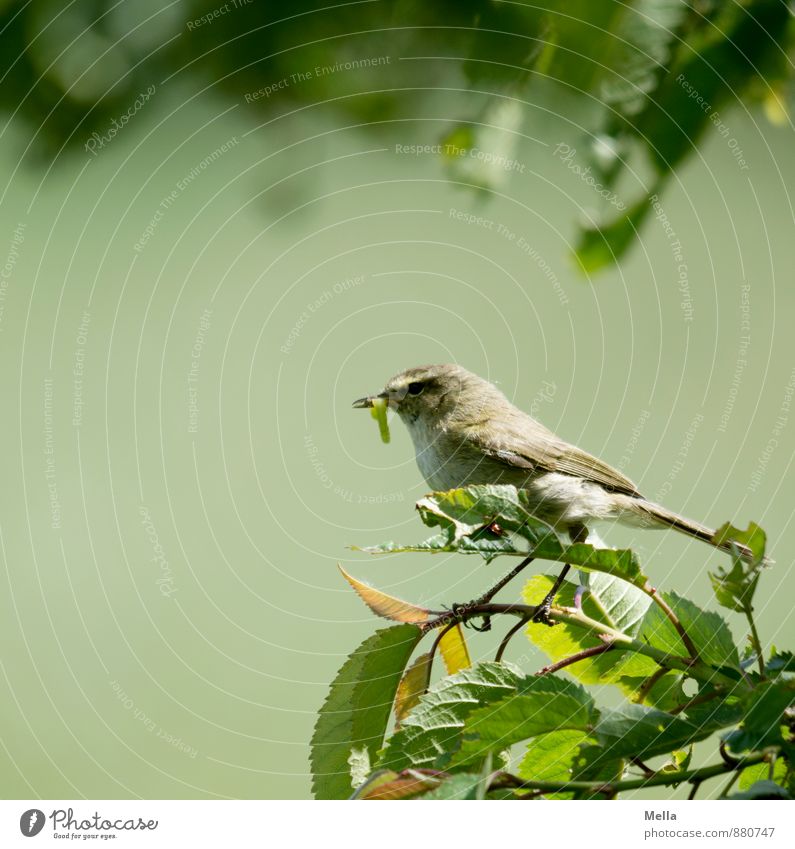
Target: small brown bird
[{"x": 465, "y": 431}]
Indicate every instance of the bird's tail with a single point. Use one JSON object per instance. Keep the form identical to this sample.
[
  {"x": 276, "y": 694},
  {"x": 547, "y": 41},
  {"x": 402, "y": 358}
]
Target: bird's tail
[{"x": 655, "y": 514}]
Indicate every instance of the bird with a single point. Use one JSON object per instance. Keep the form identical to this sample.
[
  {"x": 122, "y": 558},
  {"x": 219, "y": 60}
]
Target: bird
[{"x": 465, "y": 431}]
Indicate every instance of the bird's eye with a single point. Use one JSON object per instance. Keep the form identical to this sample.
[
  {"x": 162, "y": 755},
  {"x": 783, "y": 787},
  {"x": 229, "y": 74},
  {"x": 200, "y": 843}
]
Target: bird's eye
[{"x": 415, "y": 388}]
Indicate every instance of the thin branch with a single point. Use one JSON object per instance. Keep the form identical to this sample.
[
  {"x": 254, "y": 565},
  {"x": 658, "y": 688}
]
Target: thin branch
[
  {"x": 694, "y": 789},
  {"x": 435, "y": 645},
  {"x": 581, "y": 655},
  {"x": 648, "y": 685},
  {"x": 755, "y": 641},
  {"x": 489, "y": 595},
  {"x": 657, "y": 779},
  {"x": 507, "y": 638},
  {"x": 729, "y": 784},
  {"x": 642, "y": 766},
  {"x": 574, "y": 616},
  {"x": 666, "y": 609},
  {"x": 728, "y": 759}
]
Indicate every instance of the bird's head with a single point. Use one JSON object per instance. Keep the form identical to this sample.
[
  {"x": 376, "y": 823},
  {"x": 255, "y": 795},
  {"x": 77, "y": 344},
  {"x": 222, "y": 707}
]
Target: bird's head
[{"x": 436, "y": 392}]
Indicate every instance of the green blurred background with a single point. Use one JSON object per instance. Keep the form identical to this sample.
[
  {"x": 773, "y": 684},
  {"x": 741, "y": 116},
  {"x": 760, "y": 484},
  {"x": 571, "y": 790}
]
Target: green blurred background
[{"x": 187, "y": 312}]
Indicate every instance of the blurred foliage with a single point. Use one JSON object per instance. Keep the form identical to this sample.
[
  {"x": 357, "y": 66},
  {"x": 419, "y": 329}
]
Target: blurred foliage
[{"x": 641, "y": 75}]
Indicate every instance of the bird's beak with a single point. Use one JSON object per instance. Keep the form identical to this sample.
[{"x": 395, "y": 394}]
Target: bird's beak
[{"x": 367, "y": 401}]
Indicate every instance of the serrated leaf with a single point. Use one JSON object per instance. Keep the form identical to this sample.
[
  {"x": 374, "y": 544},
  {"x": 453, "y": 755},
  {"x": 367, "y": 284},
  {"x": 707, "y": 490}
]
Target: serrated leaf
[
  {"x": 357, "y": 708},
  {"x": 431, "y": 734},
  {"x": 385, "y": 605},
  {"x": 754, "y": 537},
  {"x": 735, "y": 587},
  {"x": 541, "y": 705},
  {"x": 412, "y": 685},
  {"x": 708, "y": 631},
  {"x": 454, "y": 651},
  {"x": 497, "y": 519},
  {"x": 780, "y": 662}
]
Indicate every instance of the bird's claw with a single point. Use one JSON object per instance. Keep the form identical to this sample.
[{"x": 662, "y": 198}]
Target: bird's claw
[
  {"x": 542, "y": 612},
  {"x": 459, "y": 611}
]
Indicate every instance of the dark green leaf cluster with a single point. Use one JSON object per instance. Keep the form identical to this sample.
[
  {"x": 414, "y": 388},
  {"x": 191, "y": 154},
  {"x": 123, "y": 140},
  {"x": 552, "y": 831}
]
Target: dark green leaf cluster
[{"x": 643, "y": 76}]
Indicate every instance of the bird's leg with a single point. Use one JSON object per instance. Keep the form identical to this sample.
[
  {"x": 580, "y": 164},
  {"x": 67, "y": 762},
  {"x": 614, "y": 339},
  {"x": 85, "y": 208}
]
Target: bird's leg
[{"x": 577, "y": 533}]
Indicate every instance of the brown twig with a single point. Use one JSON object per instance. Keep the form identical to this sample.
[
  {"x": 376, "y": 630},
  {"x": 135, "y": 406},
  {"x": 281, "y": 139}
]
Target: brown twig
[
  {"x": 489, "y": 595},
  {"x": 581, "y": 655},
  {"x": 639, "y": 763},
  {"x": 507, "y": 638}
]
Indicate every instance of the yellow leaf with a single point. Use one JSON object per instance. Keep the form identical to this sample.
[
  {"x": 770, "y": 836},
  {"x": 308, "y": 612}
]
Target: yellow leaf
[
  {"x": 454, "y": 650},
  {"x": 386, "y": 605},
  {"x": 413, "y": 684}
]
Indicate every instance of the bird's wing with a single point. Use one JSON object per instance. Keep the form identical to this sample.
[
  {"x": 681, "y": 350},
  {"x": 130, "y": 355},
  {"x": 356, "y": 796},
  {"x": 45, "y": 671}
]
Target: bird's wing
[
  {"x": 524, "y": 443},
  {"x": 575, "y": 461}
]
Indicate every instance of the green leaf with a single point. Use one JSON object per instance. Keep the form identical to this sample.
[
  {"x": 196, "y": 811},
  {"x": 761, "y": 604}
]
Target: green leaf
[
  {"x": 431, "y": 734},
  {"x": 542, "y": 704},
  {"x": 754, "y": 537},
  {"x": 761, "y": 725},
  {"x": 708, "y": 631},
  {"x": 780, "y": 662},
  {"x": 763, "y": 790},
  {"x": 761, "y": 772},
  {"x": 594, "y": 763},
  {"x": 735, "y": 587},
  {"x": 716, "y": 61},
  {"x": 464, "y": 785},
  {"x": 551, "y": 757},
  {"x": 491, "y": 520},
  {"x": 619, "y": 605},
  {"x": 718, "y": 58},
  {"x": 602, "y": 245},
  {"x": 356, "y": 711},
  {"x": 639, "y": 731}
]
